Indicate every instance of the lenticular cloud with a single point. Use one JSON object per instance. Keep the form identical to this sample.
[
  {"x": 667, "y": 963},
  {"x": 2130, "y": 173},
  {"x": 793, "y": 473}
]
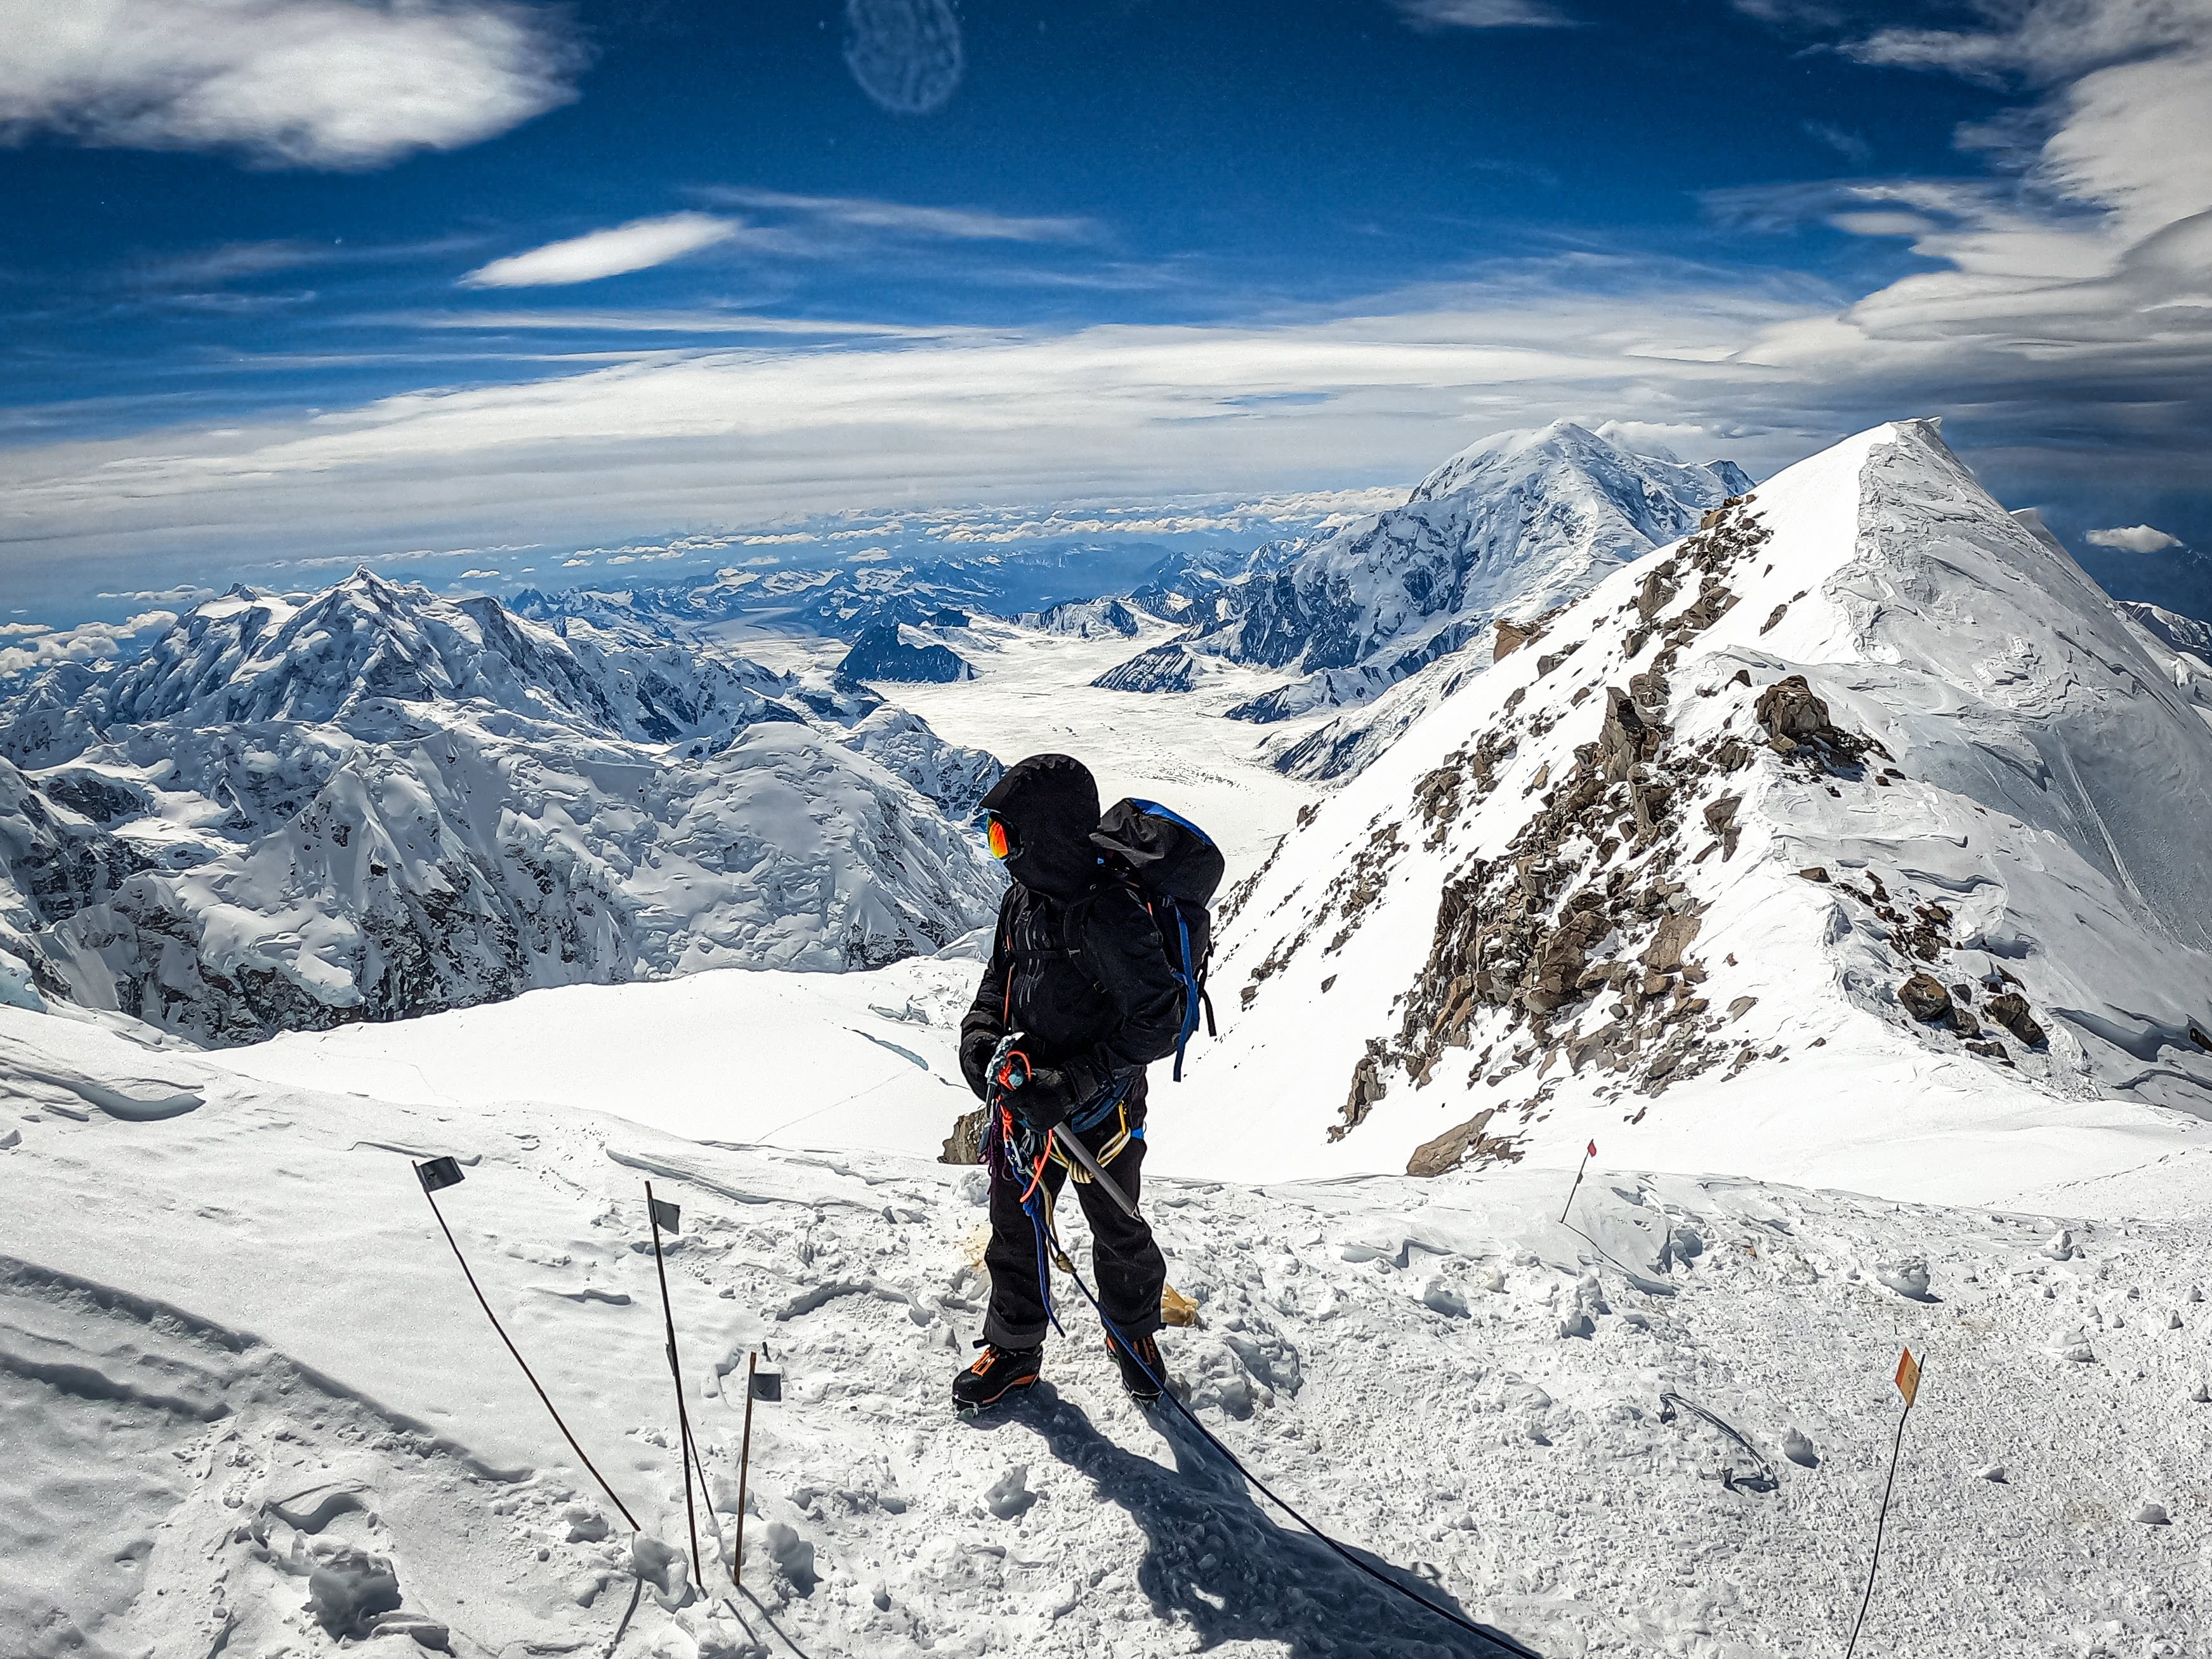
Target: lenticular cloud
[{"x": 904, "y": 53}]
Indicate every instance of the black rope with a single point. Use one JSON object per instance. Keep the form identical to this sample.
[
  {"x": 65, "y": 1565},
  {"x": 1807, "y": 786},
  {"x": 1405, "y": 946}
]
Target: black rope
[
  {"x": 527, "y": 1372},
  {"x": 1875, "y": 1565},
  {"x": 637, "y": 1590},
  {"x": 1495, "y": 1638}
]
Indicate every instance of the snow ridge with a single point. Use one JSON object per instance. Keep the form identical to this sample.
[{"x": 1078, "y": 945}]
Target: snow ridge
[{"x": 1862, "y": 760}]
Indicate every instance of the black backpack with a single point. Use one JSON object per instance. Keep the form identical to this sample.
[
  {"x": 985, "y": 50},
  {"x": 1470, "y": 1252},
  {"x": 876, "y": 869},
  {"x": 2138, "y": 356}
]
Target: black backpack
[{"x": 1174, "y": 866}]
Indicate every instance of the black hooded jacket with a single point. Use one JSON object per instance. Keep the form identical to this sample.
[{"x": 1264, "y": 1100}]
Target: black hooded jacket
[{"x": 1077, "y": 963}]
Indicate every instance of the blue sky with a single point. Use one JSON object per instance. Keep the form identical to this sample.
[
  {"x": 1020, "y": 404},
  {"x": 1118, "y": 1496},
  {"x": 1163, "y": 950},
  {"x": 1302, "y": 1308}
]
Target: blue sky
[{"x": 467, "y": 286}]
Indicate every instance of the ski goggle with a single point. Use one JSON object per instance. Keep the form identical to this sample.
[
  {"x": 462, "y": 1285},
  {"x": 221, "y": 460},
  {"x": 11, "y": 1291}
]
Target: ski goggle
[{"x": 1000, "y": 839}]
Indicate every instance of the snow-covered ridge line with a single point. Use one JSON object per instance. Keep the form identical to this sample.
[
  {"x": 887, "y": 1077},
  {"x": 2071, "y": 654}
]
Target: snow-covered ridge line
[
  {"x": 1717, "y": 818},
  {"x": 380, "y": 803}
]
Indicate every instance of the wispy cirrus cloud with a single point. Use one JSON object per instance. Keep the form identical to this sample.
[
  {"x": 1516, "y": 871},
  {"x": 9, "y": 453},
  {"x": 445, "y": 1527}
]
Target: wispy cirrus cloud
[
  {"x": 318, "y": 83},
  {"x": 637, "y": 246},
  {"x": 906, "y": 218},
  {"x": 1435, "y": 15}
]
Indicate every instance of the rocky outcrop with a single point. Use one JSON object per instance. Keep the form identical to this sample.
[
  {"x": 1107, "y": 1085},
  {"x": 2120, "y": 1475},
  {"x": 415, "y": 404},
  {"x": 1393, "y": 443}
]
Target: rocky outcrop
[
  {"x": 965, "y": 1144},
  {"x": 1170, "y": 668},
  {"x": 1468, "y": 1143},
  {"x": 1923, "y": 996},
  {"x": 885, "y": 653}
]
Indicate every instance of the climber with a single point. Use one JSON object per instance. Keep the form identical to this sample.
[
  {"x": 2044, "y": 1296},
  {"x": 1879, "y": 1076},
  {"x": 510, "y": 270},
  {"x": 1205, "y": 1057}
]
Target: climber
[{"x": 1077, "y": 967}]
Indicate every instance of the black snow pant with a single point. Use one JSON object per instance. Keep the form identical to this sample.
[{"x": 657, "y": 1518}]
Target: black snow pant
[{"x": 1130, "y": 1272}]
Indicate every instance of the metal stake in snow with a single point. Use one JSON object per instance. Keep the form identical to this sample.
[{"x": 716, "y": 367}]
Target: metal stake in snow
[
  {"x": 1908, "y": 1385},
  {"x": 759, "y": 1385},
  {"x": 1588, "y": 1152},
  {"x": 438, "y": 1172},
  {"x": 656, "y": 1212}
]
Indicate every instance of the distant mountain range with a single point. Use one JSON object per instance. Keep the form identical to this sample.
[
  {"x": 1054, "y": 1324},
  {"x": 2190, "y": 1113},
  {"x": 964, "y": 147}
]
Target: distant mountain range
[{"x": 380, "y": 802}]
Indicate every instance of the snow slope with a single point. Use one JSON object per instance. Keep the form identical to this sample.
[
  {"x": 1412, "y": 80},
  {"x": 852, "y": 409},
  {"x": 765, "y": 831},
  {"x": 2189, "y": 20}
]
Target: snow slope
[
  {"x": 379, "y": 803},
  {"x": 240, "y": 1373},
  {"x": 1586, "y": 896},
  {"x": 1512, "y": 526}
]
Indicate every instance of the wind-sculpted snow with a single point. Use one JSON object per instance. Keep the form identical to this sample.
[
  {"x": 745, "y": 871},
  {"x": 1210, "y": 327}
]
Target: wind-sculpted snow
[
  {"x": 377, "y": 803},
  {"x": 253, "y": 1408},
  {"x": 1512, "y": 527},
  {"x": 1859, "y": 802}
]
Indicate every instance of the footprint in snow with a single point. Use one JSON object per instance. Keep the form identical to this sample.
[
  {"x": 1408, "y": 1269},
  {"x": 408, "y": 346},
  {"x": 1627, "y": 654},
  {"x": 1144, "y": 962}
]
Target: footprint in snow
[
  {"x": 1907, "y": 1276},
  {"x": 1009, "y": 1497}
]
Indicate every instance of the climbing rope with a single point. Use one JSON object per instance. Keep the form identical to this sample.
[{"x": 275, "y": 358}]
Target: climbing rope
[{"x": 1048, "y": 1243}]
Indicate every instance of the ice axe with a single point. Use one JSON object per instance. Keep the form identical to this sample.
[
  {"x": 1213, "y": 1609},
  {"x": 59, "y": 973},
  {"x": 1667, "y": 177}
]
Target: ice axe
[{"x": 1010, "y": 1071}]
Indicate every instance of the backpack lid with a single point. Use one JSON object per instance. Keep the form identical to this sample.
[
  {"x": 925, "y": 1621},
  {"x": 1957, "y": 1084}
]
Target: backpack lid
[{"x": 1165, "y": 851}]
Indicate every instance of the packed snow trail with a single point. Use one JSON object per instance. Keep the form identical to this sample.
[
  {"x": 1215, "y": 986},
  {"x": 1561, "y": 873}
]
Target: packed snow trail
[{"x": 235, "y": 1350}]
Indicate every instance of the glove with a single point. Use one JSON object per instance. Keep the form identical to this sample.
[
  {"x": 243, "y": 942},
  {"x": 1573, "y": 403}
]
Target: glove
[
  {"x": 975, "y": 1049},
  {"x": 1044, "y": 1102}
]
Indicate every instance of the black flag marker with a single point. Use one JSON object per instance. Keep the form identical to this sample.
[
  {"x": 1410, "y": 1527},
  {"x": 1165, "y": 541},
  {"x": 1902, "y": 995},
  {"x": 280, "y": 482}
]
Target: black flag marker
[
  {"x": 767, "y": 1386},
  {"x": 436, "y": 1173},
  {"x": 664, "y": 1214}
]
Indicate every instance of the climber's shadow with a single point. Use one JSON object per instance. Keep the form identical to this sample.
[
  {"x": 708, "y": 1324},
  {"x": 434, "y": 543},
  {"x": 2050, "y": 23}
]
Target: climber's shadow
[{"x": 1218, "y": 1559}]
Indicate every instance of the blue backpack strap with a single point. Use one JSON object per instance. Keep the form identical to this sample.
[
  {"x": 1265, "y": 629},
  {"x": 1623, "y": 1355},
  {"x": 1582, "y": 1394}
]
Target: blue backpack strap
[{"x": 1191, "y": 993}]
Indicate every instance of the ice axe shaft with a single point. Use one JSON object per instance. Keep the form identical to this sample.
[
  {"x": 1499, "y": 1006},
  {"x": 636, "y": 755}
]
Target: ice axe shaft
[{"x": 1080, "y": 1154}]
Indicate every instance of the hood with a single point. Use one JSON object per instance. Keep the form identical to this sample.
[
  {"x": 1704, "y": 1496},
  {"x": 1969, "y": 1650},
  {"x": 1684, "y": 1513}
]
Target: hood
[{"x": 1050, "y": 803}]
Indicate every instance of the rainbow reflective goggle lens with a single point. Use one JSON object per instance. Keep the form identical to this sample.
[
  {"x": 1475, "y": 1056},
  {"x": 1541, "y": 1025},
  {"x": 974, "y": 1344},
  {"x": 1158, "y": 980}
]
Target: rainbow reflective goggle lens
[{"x": 1000, "y": 842}]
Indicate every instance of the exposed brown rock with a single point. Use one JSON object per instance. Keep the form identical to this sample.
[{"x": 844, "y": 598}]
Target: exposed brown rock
[
  {"x": 1468, "y": 1144},
  {"x": 1720, "y": 818},
  {"x": 1659, "y": 588},
  {"x": 965, "y": 1144},
  {"x": 1672, "y": 937},
  {"x": 1790, "y": 712},
  {"x": 1367, "y": 1088},
  {"x": 2010, "y": 1009},
  {"x": 1773, "y": 618},
  {"x": 1923, "y": 996},
  {"x": 1511, "y": 636}
]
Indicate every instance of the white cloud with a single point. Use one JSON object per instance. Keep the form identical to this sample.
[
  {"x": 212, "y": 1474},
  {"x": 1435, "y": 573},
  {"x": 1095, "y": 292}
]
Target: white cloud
[
  {"x": 476, "y": 575},
  {"x": 88, "y": 642},
  {"x": 2133, "y": 538},
  {"x": 1851, "y": 146},
  {"x": 1885, "y": 224},
  {"x": 1427, "y": 14},
  {"x": 17, "y": 630},
  {"x": 185, "y": 593},
  {"x": 324, "y": 83},
  {"x": 634, "y": 247},
  {"x": 868, "y": 212}
]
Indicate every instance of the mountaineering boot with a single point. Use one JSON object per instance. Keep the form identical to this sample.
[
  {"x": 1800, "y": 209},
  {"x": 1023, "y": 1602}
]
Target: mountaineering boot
[
  {"x": 996, "y": 1373},
  {"x": 1142, "y": 1370}
]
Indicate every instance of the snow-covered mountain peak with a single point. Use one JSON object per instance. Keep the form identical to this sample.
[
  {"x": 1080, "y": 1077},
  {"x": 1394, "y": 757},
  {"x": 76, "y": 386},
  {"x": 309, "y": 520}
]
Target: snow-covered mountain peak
[
  {"x": 1861, "y": 778},
  {"x": 1512, "y": 527}
]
